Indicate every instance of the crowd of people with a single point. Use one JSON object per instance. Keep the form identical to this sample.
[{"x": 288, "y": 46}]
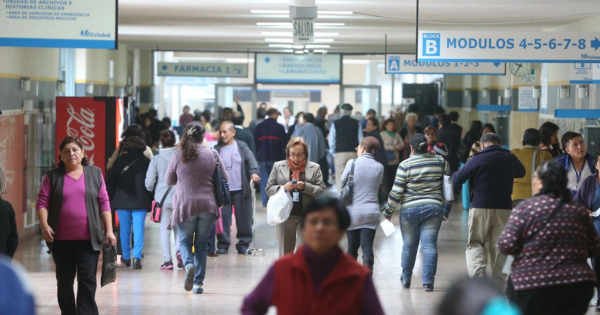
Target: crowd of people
[{"x": 531, "y": 210}]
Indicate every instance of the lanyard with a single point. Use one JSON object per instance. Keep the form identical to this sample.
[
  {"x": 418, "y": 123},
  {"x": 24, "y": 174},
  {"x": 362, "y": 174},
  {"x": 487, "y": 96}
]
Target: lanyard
[{"x": 578, "y": 174}]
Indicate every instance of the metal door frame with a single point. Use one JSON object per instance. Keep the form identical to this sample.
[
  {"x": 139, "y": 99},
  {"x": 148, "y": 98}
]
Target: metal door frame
[
  {"x": 343, "y": 87},
  {"x": 238, "y": 85}
]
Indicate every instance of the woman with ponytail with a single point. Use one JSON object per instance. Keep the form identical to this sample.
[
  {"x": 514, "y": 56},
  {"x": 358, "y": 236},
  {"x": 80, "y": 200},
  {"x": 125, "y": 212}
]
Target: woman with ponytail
[
  {"x": 364, "y": 210},
  {"x": 195, "y": 208},
  {"x": 551, "y": 237},
  {"x": 417, "y": 194}
]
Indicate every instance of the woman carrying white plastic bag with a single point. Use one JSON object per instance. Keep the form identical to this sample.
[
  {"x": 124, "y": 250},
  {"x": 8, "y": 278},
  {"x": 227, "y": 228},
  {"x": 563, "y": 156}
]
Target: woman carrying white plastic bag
[
  {"x": 302, "y": 181},
  {"x": 279, "y": 208}
]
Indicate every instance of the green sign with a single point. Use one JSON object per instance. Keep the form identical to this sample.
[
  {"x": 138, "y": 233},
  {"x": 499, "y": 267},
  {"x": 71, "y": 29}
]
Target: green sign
[
  {"x": 304, "y": 31},
  {"x": 180, "y": 69}
]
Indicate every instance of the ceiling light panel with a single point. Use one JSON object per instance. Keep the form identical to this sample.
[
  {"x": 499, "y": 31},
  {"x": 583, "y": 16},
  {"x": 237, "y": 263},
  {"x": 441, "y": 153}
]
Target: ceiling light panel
[
  {"x": 280, "y": 46},
  {"x": 289, "y": 34},
  {"x": 317, "y": 46}
]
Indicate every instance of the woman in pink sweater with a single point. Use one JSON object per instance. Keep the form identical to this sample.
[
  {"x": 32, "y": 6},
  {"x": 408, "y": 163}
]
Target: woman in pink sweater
[{"x": 194, "y": 205}]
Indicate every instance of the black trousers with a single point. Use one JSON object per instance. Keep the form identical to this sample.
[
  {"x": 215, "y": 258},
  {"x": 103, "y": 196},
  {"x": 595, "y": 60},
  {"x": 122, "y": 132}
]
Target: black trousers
[
  {"x": 362, "y": 238},
  {"x": 324, "y": 169},
  {"x": 76, "y": 258},
  {"x": 571, "y": 299},
  {"x": 391, "y": 177},
  {"x": 243, "y": 221}
]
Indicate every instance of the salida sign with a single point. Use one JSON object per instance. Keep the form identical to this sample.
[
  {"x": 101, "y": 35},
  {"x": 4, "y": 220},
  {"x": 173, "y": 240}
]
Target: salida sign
[
  {"x": 84, "y": 118},
  {"x": 304, "y": 31}
]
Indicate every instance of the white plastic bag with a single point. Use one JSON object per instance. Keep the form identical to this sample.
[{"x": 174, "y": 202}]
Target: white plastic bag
[
  {"x": 387, "y": 227},
  {"x": 279, "y": 207},
  {"x": 447, "y": 188}
]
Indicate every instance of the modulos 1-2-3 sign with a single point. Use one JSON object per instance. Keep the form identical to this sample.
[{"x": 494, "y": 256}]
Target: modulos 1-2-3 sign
[
  {"x": 408, "y": 64},
  {"x": 553, "y": 47}
]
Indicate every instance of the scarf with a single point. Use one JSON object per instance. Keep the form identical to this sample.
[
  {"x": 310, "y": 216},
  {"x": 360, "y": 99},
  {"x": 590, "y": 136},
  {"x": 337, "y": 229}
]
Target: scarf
[{"x": 296, "y": 168}]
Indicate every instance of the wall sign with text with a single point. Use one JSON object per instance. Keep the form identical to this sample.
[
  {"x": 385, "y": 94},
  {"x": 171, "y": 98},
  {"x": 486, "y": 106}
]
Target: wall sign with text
[
  {"x": 554, "y": 47},
  {"x": 288, "y": 68},
  {"x": 585, "y": 73},
  {"x": 59, "y": 23},
  {"x": 202, "y": 69},
  {"x": 408, "y": 64}
]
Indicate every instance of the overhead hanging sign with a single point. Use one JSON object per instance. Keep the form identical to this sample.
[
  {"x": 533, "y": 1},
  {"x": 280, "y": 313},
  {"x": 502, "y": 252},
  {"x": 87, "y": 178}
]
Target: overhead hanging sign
[
  {"x": 304, "y": 31},
  {"x": 203, "y": 69},
  {"x": 408, "y": 64},
  {"x": 585, "y": 73},
  {"x": 555, "y": 47},
  {"x": 59, "y": 23},
  {"x": 287, "y": 68}
]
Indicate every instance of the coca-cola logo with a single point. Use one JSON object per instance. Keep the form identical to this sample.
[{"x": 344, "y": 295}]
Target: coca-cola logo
[{"x": 86, "y": 120}]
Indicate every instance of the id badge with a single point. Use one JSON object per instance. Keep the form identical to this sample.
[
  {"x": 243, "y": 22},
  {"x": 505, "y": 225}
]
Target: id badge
[{"x": 296, "y": 196}]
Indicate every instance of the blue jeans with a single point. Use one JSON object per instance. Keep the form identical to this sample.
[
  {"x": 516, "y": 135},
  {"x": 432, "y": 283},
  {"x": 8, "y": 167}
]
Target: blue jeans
[
  {"x": 129, "y": 219},
  {"x": 199, "y": 224},
  {"x": 421, "y": 223},
  {"x": 265, "y": 172}
]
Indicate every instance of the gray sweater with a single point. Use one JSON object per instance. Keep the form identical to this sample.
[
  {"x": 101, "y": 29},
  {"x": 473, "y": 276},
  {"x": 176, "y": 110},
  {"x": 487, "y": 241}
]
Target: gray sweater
[
  {"x": 368, "y": 175},
  {"x": 156, "y": 175}
]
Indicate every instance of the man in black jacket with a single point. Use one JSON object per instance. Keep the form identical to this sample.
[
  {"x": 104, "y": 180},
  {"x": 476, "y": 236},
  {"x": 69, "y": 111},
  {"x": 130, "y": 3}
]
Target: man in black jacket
[
  {"x": 241, "y": 133},
  {"x": 493, "y": 171},
  {"x": 270, "y": 139},
  {"x": 9, "y": 238},
  {"x": 451, "y": 138}
]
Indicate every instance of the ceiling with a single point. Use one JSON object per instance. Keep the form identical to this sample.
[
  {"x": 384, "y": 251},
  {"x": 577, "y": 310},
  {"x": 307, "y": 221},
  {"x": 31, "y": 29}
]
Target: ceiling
[{"x": 229, "y": 25}]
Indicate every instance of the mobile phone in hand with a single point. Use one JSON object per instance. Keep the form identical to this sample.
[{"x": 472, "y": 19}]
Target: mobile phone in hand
[{"x": 294, "y": 182}]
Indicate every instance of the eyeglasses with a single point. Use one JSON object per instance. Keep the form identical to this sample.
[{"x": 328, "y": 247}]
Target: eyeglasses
[
  {"x": 356, "y": 149},
  {"x": 301, "y": 155}
]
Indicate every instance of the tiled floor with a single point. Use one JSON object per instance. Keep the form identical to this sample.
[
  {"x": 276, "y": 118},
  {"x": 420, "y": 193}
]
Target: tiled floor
[{"x": 230, "y": 277}]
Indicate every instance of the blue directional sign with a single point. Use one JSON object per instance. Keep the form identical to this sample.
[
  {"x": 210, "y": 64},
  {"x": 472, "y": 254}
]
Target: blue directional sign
[{"x": 407, "y": 64}]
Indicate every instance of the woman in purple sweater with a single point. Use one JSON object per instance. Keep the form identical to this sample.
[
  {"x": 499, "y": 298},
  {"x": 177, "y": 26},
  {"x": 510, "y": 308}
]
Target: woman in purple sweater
[
  {"x": 73, "y": 207},
  {"x": 194, "y": 205}
]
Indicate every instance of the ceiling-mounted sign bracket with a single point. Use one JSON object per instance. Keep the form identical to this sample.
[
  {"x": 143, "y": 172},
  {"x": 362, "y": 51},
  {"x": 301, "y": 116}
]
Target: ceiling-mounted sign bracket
[{"x": 303, "y": 23}]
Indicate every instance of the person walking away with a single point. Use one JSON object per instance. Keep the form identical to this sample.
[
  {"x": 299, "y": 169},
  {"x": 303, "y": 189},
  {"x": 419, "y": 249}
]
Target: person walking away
[
  {"x": 372, "y": 130},
  {"x": 417, "y": 194},
  {"x": 344, "y": 136},
  {"x": 455, "y": 126},
  {"x": 287, "y": 120},
  {"x": 9, "y": 237},
  {"x": 394, "y": 147},
  {"x": 167, "y": 122},
  {"x": 435, "y": 120},
  {"x": 318, "y": 273},
  {"x": 241, "y": 133},
  {"x": 493, "y": 172},
  {"x": 436, "y": 148},
  {"x": 549, "y": 141},
  {"x": 131, "y": 131},
  {"x": 154, "y": 126},
  {"x": 578, "y": 163},
  {"x": 261, "y": 113},
  {"x": 155, "y": 182},
  {"x": 589, "y": 196},
  {"x": 74, "y": 213},
  {"x": 127, "y": 188},
  {"x": 410, "y": 129},
  {"x": 371, "y": 113},
  {"x": 472, "y": 136},
  {"x": 186, "y": 117},
  {"x": 451, "y": 138},
  {"x": 313, "y": 137},
  {"x": 467, "y": 189},
  {"x": 364, "y": 209},
  {"x": 309, "y": 185},
  {"x": 16, "y": 291},
  {"x": 241, "y": 167},
  {"x": 335, "y": 116},
  {"x": 551, "y": 237},
  {"x": 531, "y": 157},
  {"x": 270, "y": 140},
  {"x": 195, "y": 206},
  {"x": 321, "y": 123}
]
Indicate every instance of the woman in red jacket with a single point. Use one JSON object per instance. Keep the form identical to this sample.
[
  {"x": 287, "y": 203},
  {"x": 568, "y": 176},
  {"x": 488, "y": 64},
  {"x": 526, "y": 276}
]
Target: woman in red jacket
[{"x": 319, "y": 278}]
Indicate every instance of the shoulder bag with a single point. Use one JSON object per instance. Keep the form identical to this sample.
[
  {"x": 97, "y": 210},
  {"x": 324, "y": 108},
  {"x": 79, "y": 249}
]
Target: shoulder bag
[
  {"x": 447, "y": 190},
  {"x": 156, "y": 212},
  {"x": 221, "y": 186},
  {"x": 347, "y": 191},
  {"x": 533, "y": 158},
  {"x": 390, "y": 154}
]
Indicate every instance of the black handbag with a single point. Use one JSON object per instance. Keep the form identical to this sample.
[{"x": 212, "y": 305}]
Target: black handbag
[
  {"x": 109, "y": 265},
  {"x": 221, "y": 186},
  {"x": 347, "y": 191}
]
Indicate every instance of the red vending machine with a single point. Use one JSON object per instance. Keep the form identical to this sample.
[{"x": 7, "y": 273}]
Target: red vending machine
[{"x": 97, "y": 121}]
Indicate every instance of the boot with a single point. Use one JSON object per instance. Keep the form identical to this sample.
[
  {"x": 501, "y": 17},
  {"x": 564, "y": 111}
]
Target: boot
[{"x": 368, "y": 261}]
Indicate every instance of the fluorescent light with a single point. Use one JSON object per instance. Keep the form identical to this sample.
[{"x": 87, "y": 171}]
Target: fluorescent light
[
  {"x": 239, "y": 60},
  {"x": 269, "y": 11},
  {"x": 336, "y": 12},
  {"x": 298, "y": 46},
  {"x": 279, "y": 40},
  {"x": 274, "y": 24},
  {"x": 324, "y": 40},
  {"x": 317, "y": 46},
  {"x": 330, "y": 24},
  {"x": 298, "y": 52},
  {"x": 285, "y": 51},
  {"x": 280, "y": 46},
  {"x": 320, "y": 51},
  {"x": 286, "y": 34},
  {"x": 356, "y": 62}
]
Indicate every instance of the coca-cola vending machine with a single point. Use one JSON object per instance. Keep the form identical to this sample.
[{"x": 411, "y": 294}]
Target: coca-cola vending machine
[{"x": 97, "y": 121}]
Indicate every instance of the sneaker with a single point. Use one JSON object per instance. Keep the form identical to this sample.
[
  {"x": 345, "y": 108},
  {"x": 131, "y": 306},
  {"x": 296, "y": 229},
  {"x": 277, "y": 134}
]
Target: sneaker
[
  {"x": 198, "y": 289},
  {"x": 190, "y": 271},
  {"x": 179, "y": 260},
  {"x": 168, "y": 265}
]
